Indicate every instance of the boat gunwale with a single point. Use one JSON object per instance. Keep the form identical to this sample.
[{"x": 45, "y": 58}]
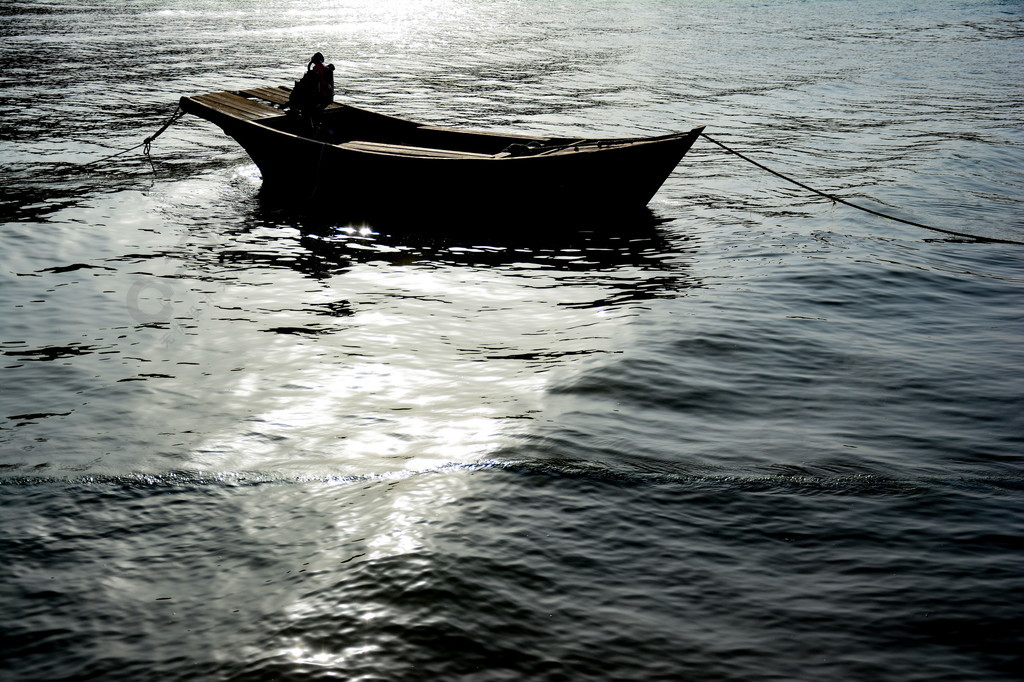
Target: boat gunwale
[{"x": 582, "y": 146}]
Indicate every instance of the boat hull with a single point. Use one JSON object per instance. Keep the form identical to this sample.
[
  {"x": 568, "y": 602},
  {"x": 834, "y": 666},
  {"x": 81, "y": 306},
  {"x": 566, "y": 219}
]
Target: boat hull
[{"x": 367, "y": 164}]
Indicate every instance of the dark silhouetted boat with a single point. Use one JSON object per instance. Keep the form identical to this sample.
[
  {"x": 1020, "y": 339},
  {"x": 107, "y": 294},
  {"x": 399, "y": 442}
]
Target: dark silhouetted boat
[{"x": 362, "y": 160}]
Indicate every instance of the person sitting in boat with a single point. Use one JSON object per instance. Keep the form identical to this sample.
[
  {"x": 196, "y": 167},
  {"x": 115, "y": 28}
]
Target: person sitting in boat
[
  {"x": 324, "y": 78},
  {"x": 314, "y": 92}
]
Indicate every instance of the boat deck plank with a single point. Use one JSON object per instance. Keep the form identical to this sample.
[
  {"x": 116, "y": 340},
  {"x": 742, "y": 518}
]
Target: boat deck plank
[
  {"x": 276, "y": 95},
  {"x": 237, "y": 105}
]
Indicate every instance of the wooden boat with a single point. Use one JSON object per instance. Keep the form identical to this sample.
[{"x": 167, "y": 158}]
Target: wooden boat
[{"x": 360, "y": 159}]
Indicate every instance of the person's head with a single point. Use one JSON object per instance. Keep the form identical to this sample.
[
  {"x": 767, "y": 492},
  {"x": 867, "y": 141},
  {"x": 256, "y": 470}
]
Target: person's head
[
  {"x": 317, "y": 59},
  {"x": 330, "y": 67}
]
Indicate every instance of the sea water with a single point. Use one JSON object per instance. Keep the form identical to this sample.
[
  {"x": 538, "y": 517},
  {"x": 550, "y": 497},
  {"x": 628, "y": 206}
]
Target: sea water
[{"x": 754, "y": 435}]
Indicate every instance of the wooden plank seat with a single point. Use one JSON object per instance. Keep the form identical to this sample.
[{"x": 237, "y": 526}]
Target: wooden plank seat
[
  {"x": 408, "y": 150},
  {"x": 464, "y": 131}
]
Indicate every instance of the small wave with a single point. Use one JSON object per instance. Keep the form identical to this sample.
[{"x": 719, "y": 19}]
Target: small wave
[{"x": 804, "y": 484}]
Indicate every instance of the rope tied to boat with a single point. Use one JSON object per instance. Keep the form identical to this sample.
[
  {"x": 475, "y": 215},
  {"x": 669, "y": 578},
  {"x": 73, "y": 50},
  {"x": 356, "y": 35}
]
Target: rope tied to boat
[
  {"x": 148, "y": 142},
  {"x": 840, "y": 200}
]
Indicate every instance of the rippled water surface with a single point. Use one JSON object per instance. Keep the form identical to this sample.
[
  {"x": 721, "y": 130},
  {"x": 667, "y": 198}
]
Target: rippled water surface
[{"x": 752, "y": 435}]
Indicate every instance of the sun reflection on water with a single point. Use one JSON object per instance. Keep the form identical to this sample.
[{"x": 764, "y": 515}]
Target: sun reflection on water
[
  {"x": 363, "y": 419},
  {"x": 382, "y": 374},
  {"x": 382, "y": 21},
  {"x": 433, "y": 367}
]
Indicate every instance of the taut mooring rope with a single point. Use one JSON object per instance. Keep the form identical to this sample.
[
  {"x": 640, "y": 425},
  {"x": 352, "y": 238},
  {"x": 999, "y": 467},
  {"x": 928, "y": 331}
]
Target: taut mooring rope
[{"x": 859, "y": 208}]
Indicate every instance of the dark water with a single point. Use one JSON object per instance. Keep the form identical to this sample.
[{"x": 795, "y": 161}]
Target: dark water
[{"x": 755, "y": 436}]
